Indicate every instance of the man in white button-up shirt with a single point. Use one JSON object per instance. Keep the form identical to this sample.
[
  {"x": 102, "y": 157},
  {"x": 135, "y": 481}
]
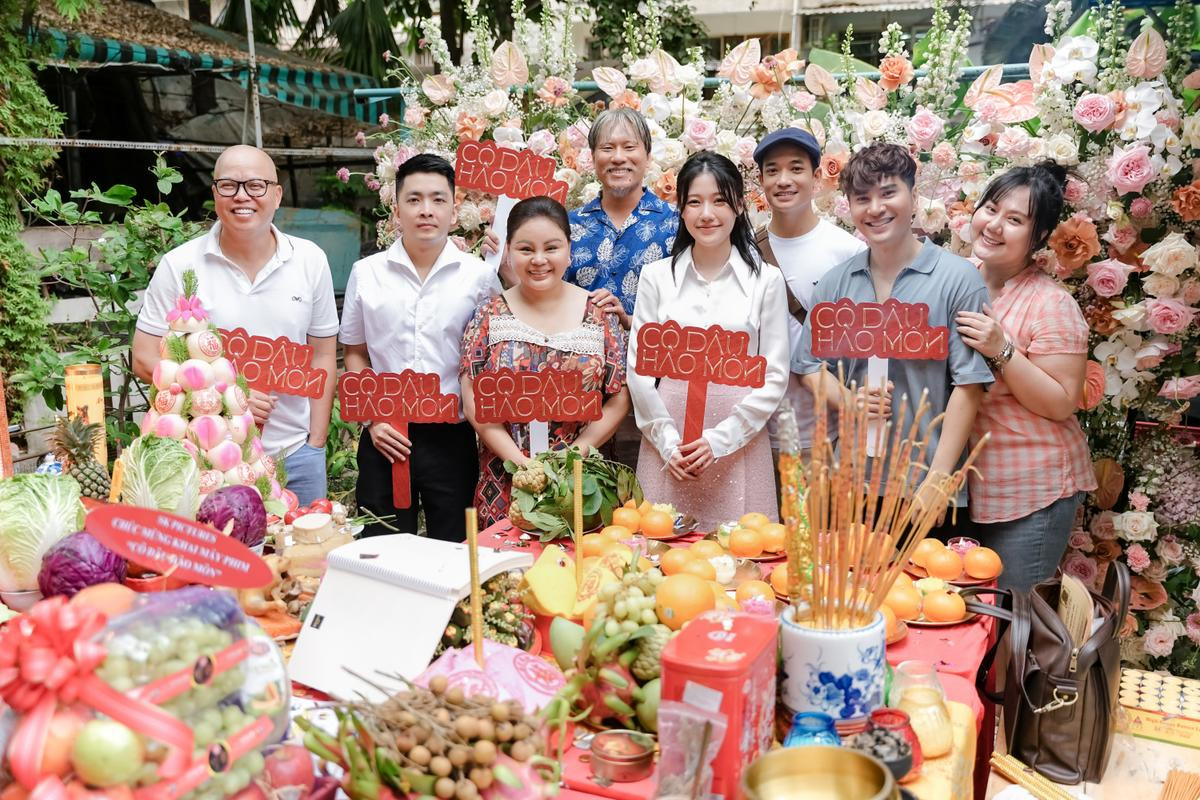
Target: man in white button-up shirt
[
  {"x": 254, "y": 276},
  {"x": 406, "y": 308}
]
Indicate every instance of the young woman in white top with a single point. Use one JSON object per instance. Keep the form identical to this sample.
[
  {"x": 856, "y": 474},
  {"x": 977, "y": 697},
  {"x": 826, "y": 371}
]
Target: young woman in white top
[{"x": 713, "y": 277}]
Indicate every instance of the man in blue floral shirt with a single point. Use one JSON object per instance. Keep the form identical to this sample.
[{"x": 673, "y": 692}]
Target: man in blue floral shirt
[{"x": 627, "y": 226}]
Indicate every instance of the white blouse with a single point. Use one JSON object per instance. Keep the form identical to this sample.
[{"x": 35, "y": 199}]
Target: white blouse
[{"x": 736, "y": 300}]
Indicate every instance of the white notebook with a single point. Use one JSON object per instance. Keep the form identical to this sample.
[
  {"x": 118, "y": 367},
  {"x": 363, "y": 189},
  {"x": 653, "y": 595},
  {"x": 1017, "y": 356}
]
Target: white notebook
[{"x": 382, "y": 608}]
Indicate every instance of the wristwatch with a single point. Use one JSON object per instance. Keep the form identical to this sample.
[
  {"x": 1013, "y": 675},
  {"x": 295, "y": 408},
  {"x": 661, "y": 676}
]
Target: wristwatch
[{"x": 1000, "y": 361}]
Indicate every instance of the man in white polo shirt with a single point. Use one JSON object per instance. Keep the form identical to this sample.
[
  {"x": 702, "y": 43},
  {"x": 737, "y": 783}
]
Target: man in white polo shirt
[
  {"x": 406, "y": 308},
  {"x": 254, "y": 276}
]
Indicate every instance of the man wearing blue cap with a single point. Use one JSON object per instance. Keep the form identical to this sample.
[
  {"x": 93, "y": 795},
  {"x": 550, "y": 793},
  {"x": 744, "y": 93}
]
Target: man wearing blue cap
[{"x": 797, "y": 241}]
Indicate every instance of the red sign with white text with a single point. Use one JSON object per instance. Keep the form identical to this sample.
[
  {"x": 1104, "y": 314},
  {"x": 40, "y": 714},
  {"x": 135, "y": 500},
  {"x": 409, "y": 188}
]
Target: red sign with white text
[
  {"x": 396, "y": 398},
  {"x": 699, "y": 356},
  {"x": 890, "y": 329},
  {"x": 274, "y": 365},
  {"x": 182, "y": 548},
  {"x": 508, "y": 396},
  {"x": 488, "y": 167}
]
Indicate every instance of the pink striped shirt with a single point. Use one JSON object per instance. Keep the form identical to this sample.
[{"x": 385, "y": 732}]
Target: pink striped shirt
[{"x": 1030, "y": 461}]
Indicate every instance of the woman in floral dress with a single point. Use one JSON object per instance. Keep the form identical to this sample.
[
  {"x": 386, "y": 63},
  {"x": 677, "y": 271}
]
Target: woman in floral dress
[{"x": 541, "y": 323}]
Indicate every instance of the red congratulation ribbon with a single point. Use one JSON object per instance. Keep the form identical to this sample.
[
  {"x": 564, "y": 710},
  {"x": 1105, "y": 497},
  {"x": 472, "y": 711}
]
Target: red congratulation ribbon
[{"x": 47, "y": 657}]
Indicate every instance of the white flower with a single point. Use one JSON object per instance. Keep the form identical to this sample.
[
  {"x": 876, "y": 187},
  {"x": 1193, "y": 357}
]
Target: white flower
[
  {"x": 1170, "y": 256},
  {"x": 1120, "y": 352},
  {"x": 513, "y": 138},
  {"x": 568, "y": 176},
  {"x": 1160, "y": 285},
  {"x": 1136, "y": 526},
  {"x": 668, "y": 153},
  {"x": 590, "y": 192},
  {"x": 931, "y": 215},
  {"x": 656, "y": 107},
  {"x": 1063, "y": 149},
  {"x": 1191, "y": 131},
  {"x": 1132, "y": 317},
  {"x": 495, "y": 103},
  {"x": 1073, "y": 62},
  {"x": 1159, "y": 640},
  {"x": 726, "y": 139},
  {"x": 641, "y": 70},
  {"x": 874, "y": 124},
  {"x": 542, "y": 142}
]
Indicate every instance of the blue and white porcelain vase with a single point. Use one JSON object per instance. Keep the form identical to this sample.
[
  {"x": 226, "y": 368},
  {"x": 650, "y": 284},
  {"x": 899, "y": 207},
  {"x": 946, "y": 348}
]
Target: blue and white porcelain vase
[{"x": 835, "y": 672}]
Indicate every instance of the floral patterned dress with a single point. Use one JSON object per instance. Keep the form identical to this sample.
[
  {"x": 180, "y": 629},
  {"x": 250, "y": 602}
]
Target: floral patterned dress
[{"x": 496, "y": 339}]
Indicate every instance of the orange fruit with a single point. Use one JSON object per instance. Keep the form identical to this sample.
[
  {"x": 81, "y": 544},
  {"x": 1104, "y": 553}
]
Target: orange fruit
[
  {"x": 923, "y": 550},
  {"x": 592, "y": 544},
  {"x": 722, "y": 598},
  {"x": 674, "y": 560},
  {"x": 745, "y": 543},
  {"x": 905, "y": 579},
  {"x": 630, "y": 503},
  {"x": 774, "y": 536},
  {"x": 982, "y": 563},
  {"x": 905, "y": 602},
  {"x": 754, "y": 589},
  {"x": 681, "y": 597},
  {"x": 944, "y": 607},
  {"x": 701, "y": 568},
  {"x": 114, "y": 599},
  {"x": 945, "y": 564},
  {"x": 645, "y": 508},
  {"x": 706, "y": 548},
  {"x": 754, "y": 519},
  {"x": 657, "y": 524},
  {"x": 628, "y": 518},
  {"x": 889, "y": 620},
  {"x": 616, "y": 533},
  {"x": 779, "y": 579}
]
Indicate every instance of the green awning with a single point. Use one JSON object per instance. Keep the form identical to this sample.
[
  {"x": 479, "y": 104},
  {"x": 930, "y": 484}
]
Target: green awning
[{"x": 323, "y": 90}]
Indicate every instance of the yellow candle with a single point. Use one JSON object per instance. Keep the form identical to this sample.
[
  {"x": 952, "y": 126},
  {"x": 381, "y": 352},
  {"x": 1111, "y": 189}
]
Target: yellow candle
[
  {"x": 578, "y": 532},
  {"x": 476, "y": 589}
]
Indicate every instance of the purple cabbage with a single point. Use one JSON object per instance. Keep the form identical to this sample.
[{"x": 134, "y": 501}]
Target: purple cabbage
[
  {"x": 76, "y": 562},
  {"x": 241, "y": 505}
]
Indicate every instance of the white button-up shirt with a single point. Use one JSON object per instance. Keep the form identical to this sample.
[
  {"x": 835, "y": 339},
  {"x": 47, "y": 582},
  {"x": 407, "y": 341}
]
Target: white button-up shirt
[
  {"x": 291, "y": 296},
  {"x": 407, "y": 323},
  {"x": 737, "y": 299}
]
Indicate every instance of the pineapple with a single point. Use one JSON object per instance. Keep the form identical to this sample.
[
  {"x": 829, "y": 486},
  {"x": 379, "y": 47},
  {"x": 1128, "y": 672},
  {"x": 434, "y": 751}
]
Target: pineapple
[{"x": 74, "y": 445}]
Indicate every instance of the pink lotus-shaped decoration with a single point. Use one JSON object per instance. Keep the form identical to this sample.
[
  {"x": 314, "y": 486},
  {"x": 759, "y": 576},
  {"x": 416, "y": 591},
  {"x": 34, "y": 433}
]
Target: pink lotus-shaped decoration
[{"x": 188, "y": 315}]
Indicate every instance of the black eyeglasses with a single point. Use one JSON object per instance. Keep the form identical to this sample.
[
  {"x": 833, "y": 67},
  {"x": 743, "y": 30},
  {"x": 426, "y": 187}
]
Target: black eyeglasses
[{"x": 255, "y": 187}]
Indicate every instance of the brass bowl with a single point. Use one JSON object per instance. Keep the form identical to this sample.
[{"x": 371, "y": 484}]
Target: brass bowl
[
  {"x": 818, "y": 773},
  {"x": 632, "y": 761}
]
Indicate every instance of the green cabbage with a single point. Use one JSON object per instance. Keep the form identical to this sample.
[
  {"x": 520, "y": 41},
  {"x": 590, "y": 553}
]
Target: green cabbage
[
  {"x": 35, "y": 512},
  {"x": 160, "y": 473}
]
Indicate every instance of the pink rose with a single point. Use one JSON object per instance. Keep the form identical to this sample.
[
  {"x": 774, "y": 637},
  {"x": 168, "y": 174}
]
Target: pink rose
[
  {"x": 577, "y": 136},
  {"x": 541, "y": 142},
  {"x": 1137, "y": 557},
  {"x": 1130, "y": 170},
  {"x": 944, "y": 155},
  {"x": 700, "y": 134},
  {"x": 1167, "y": 315},
  {"x": 1121, "y": 237},
  {"x": 1158, "y": 284},
  {"x": 1075, "y": 190},
  {"x": 1102, "y": 526},
  {"x": 414, "y": 116},
  {"x": 960, "y": 226},
  {"x": 1139, "y": 501},
  {"x": 1184, "y": 388},
  {"x": 743, "y": 151},
  {"x": 1081, "y": 540},
  {"x": 1170, "y": 550},
  {"x": 1080, "y": 566},
  {"x": 1013, "y": 143},
  {"x": 1169, "y": 118},
  {"x": 1095, "y": 112},
  {"x": 1191, "y": 291},
  {"x": 1108, "y": 277},
  {"x": 1141, "y": 207},
  {"x": 925, "y": 128},
  {"x": 803, "y": 101},
  {"x": 1192, "y": 625},
  {"x": 1159, "y": 641},
  {"x": 970, "y": 169},
  {"x": 1157, "y": 571},
  {"x": 583, "y": 161},
  {"x": 403, "y": 153}
]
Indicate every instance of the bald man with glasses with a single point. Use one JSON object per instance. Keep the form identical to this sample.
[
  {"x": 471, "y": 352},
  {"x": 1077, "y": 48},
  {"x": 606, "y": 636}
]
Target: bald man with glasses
[{"x": 254, "y": 276}]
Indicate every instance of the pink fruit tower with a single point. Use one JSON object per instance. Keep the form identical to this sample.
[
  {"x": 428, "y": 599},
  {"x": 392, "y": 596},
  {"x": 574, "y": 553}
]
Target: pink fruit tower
[{"x": 198, "y": 398}]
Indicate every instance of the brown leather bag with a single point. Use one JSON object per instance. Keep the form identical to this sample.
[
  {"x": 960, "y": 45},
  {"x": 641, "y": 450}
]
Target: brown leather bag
[{"x": 1059, "y": 701}]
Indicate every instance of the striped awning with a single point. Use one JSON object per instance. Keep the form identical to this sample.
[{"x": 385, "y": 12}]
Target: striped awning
[{"x": 329, "y": 91}]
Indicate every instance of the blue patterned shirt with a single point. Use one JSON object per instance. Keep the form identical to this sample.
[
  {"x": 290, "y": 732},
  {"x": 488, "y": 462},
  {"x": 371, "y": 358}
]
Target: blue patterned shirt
[{"x": 605, "y": 257}]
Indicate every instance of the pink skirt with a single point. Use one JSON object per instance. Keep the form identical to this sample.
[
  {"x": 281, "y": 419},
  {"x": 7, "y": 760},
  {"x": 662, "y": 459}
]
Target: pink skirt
[{"x": 736, "y": 484}]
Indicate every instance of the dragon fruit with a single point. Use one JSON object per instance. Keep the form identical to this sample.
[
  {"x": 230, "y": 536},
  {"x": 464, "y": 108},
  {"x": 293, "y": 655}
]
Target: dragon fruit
[{"x": 610, "y": 696}]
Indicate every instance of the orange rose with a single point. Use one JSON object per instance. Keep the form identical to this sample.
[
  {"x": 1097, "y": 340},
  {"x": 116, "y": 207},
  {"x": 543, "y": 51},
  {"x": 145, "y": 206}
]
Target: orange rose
[
  {"x": 626, "y": 99},
  {"x": 469, "y": 127},
  {"x": 832, "y": 165},
  {"x": 766, "y": 81},
  {"x": 664, "y": 187},
  {"x": 1075, "y": 242},
  {"x": 1106, "y": 551},
  {"x": 1147, "y": 595},
  {"x": 1093, "y": 386},
  {"x": 895, "y": 72},
  {"x": 1186, "y": 201}
]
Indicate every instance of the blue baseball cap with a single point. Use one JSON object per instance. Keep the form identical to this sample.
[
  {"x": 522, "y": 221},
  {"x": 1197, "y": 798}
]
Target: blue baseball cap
[{"x": 801, "y": 138}]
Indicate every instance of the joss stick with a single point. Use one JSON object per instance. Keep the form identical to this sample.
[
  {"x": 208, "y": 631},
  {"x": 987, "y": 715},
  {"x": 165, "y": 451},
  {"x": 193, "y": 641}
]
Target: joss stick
[
  {"x": 578, "y": 537},
  {"x": 476, "y": 589},
  {"x": 118, "y": 482}
]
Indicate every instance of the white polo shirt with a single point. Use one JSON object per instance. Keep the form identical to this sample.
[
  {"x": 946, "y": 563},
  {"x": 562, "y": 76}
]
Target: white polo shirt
[
  {"x": 407, "y": 323},
  {"x": 291, "y": 296}
]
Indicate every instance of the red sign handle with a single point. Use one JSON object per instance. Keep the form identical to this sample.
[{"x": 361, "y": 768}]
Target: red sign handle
[
  {"x": 693, "y": 415},
  {"x": 401, "y": 472}
]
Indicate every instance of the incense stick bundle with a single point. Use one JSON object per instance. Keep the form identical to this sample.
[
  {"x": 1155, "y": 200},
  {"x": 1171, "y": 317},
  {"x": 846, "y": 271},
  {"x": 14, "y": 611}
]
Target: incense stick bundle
[
  {"x": 1181, "y": 785},
  {"x": 865, "y": 516},
  {"x": 1037, "y": 785}
]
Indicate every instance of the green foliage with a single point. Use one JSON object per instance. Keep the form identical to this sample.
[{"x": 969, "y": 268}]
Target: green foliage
[
  {"x": 619, "y": 20},
  {"x": 341, "y": 458},
  {"x": 23, "y": 312},
  {"x": 606, "y": 485},
  {"x": 110, "y": 272}
]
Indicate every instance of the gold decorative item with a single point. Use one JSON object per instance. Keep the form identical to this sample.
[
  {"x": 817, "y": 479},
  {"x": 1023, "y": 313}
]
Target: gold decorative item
[
  {"x": 84, "y": 391},
  {"x": 818, "y": 773}
]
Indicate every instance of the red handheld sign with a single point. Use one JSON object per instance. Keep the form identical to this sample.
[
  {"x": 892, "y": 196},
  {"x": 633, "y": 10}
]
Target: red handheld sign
[
  {"x": 507, "y": 396},
  {"x": 188, "y": 550},
  {"x": 274, "y": 365},
  {"x": 699, "y": 356},
  {"x": 488, "y": 167},
  {"x": 396, "y": 398},
  {"x": 890, "y": 329}
]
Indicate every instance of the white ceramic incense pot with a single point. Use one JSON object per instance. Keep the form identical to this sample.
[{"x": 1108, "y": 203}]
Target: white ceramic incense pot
[{"x": 837, "y": 672}]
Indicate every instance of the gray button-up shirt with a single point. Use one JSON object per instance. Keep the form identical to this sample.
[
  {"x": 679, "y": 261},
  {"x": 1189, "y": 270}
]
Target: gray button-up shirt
[{"x": 946, "y": 283}]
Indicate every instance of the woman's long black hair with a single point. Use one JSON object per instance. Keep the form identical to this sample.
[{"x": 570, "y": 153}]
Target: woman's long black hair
[{"x": 733, "y": 191}]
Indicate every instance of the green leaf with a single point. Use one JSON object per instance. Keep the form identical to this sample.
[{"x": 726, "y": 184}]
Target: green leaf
[
  {"x": 591, "y": 503},
  {"x": 525, "y": 501},
  {"x": 117, "y": 195}
]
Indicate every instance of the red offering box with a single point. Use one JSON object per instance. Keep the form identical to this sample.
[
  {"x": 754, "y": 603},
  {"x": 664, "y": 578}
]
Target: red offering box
[{"x": 724, "y": 661}]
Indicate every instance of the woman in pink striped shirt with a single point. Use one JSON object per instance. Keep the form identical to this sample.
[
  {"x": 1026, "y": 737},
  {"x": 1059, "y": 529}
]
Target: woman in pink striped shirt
[{"x": 1035, "y": 469}]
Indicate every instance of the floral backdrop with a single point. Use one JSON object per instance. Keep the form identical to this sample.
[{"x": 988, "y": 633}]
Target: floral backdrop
[{"x": 1119, "y": 111}]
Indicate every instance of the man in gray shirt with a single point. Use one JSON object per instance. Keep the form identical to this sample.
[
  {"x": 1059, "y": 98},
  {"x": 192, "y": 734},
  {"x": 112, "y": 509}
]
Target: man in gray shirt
[{"x": 878, "y": 182}]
